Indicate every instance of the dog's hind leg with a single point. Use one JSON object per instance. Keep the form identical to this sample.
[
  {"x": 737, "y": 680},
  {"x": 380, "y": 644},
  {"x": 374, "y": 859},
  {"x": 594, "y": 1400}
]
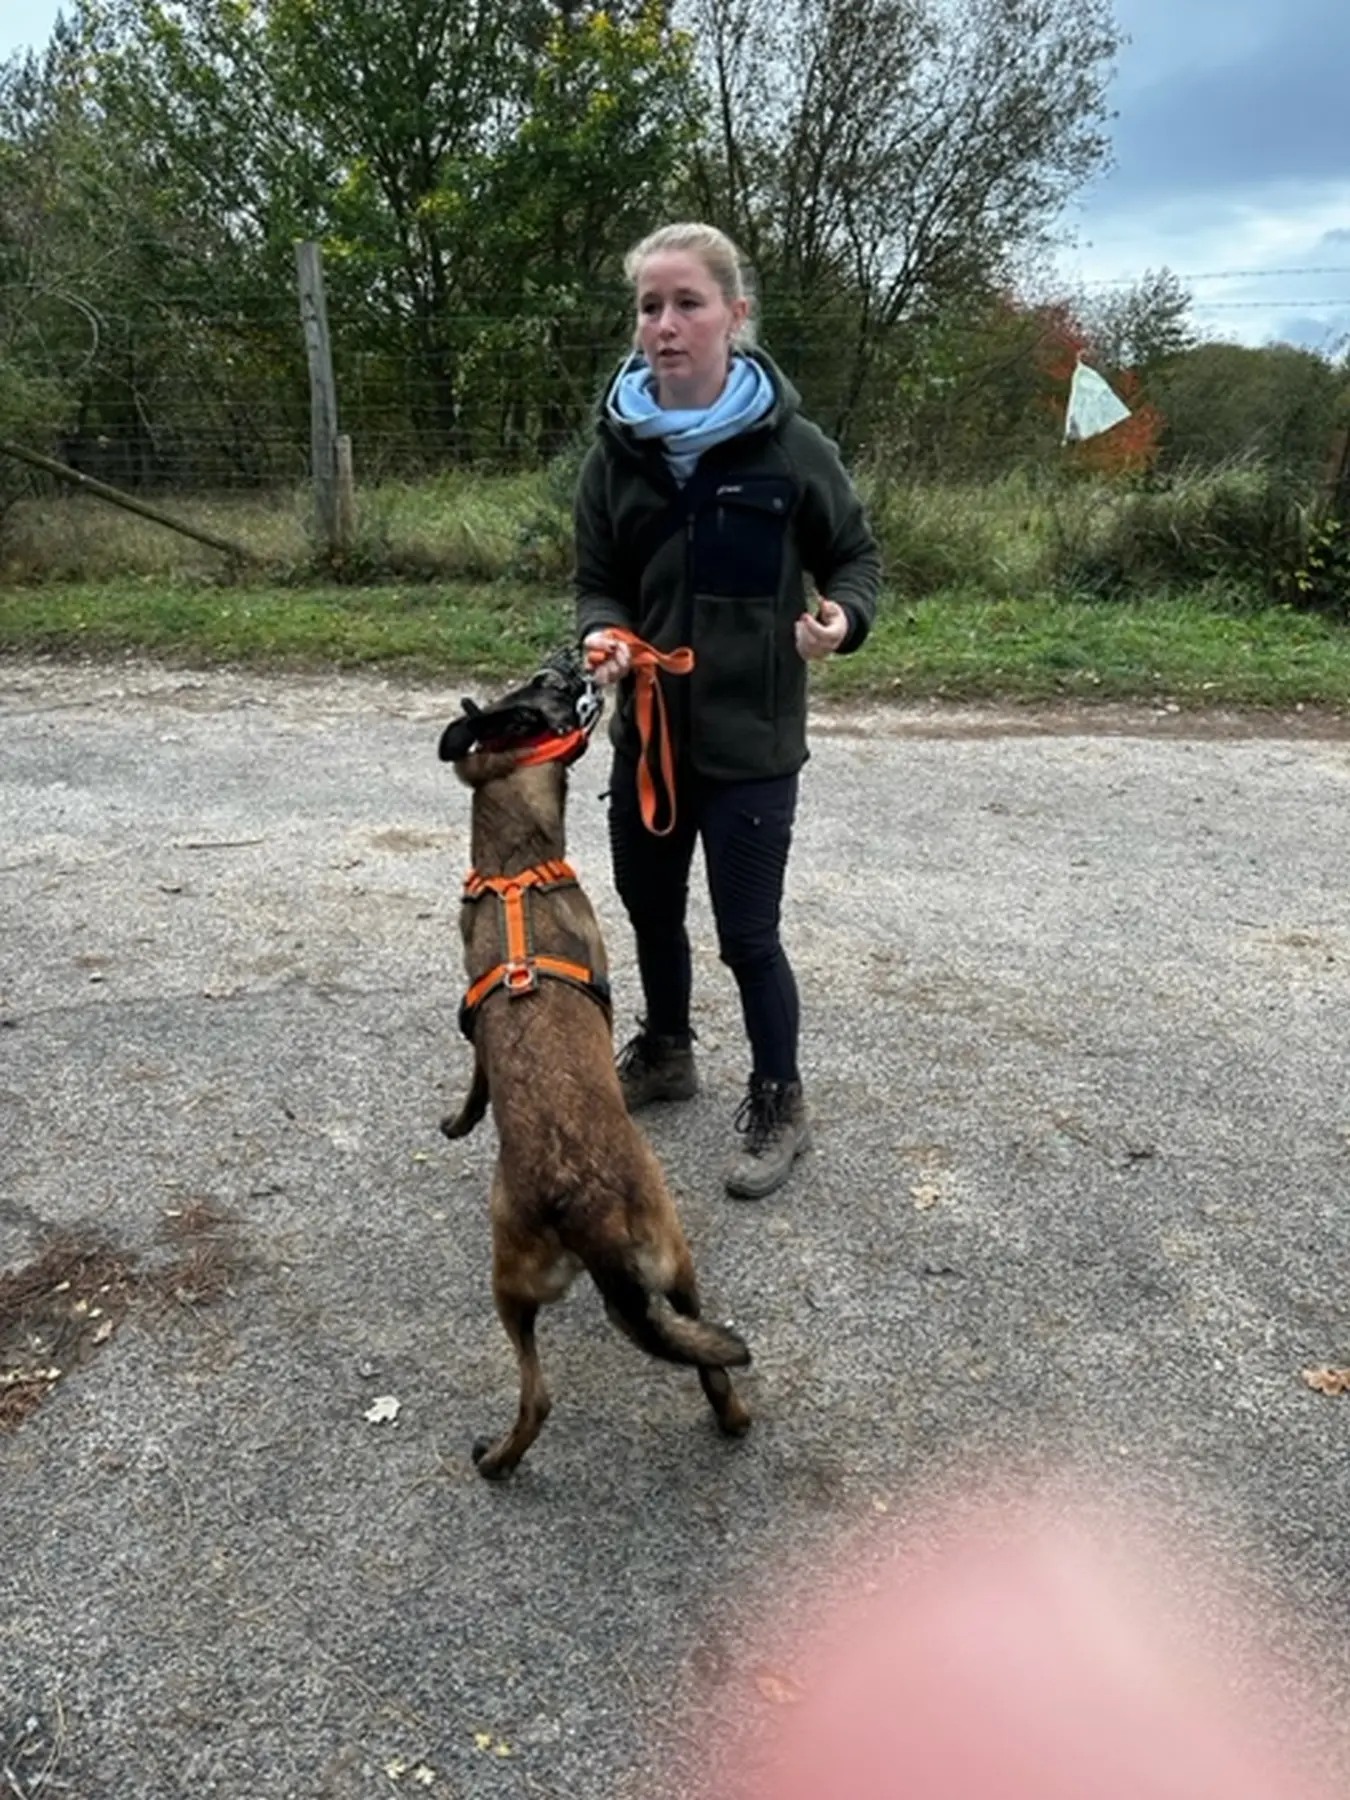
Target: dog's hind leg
[
  {"x": 518, "y": 1315},
  {"x": 528, "y": 1271},
  {"x": 731, "y": 1412}
]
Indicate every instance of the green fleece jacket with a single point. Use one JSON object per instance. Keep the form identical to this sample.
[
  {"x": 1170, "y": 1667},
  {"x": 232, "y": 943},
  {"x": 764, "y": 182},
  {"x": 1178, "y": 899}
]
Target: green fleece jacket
[{"x": 720, "y": 565}]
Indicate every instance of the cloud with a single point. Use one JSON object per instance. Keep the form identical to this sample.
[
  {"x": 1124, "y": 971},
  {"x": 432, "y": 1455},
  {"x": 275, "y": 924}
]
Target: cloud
[
  {"x": 1230, "y": 155},
  {"x": 1270, "y": 120},
  {"x": 1216, "y": 94},
  {"x": 1328, "y": 334},
  {"x": 1267, "y": 264}
]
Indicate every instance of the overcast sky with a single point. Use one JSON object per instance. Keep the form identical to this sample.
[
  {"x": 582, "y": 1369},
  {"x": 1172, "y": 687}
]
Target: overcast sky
[
  {"x": 1232, "y": 161},
  {"x": 1232, "y": 164}
]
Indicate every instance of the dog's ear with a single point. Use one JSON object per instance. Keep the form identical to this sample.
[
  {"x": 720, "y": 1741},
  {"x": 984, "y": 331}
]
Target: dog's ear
[{"x": 457, "y": 739}]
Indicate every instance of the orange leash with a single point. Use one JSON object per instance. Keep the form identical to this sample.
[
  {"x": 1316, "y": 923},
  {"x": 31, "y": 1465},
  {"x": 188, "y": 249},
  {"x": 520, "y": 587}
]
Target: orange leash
[{"x": 650, "y": 707}]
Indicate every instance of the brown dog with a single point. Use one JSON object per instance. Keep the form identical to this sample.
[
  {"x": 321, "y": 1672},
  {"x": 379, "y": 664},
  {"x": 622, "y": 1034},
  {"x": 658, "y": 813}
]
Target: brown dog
[{"x": 576, "y": 1185}]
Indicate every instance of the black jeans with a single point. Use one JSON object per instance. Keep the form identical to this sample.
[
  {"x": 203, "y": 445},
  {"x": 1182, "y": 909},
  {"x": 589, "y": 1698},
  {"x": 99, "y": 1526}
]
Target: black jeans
[{"x": 746, "y": 828}]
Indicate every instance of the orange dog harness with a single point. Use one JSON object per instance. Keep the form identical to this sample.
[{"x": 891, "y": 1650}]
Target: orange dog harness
[
  {"x": 650, "y": 706},
  {"x": 520, "y": 968}
]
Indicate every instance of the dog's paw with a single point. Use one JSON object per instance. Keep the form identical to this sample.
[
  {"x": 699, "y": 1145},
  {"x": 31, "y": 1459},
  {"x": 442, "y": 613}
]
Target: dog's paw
[
  {"x": 488, "y": 1467},
  {"x": 735, "y": 1422}
]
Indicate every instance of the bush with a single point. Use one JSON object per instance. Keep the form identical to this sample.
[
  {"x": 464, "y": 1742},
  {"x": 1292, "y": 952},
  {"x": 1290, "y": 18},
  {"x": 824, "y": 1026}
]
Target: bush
[
  {"x": 993, "y": 536},
  {"x": 27, "y": 404},
  {"x": 1320, "y": 579},
  {"x": 1240, "y": 526},
  {"x": 544, "y": 546}
]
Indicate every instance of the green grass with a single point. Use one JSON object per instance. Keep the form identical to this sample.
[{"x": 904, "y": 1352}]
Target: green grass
[
  {"x": 958, "y": 645},
  {"x": 1195, "y": 651},
  {"x": 991, "y": 596},
  {"x": 485, "y": 628}
]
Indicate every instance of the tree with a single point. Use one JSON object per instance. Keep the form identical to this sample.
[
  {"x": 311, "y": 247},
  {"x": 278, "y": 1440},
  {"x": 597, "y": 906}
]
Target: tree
[
  {"x": 79, "y": 236},
  {"x": 589, "y": 166},
  {"x": 472, "y": 167},
  {"x": 46, "y": 333},
  {"x": 1142, "y": 327},
  {"x": 1228, "y": 402},
  {"x": 884, "y": 160},
  {"x": 463, "y": 162}
]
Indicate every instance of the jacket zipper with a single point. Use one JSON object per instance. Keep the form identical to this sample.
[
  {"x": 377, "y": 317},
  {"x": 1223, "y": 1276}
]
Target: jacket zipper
[{"x": 689, "y": 579}]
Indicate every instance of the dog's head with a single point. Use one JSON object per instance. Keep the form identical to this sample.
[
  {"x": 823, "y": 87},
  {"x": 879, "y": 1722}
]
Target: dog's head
[{"x": 549, "y": 718}]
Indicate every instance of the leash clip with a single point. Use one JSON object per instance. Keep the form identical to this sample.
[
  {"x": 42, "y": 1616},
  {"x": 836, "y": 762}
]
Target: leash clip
[{"x": 590, "y": 703}]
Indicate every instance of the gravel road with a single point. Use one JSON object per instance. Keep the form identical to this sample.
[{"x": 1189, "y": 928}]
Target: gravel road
[{"x": 1077, "y": 1011}]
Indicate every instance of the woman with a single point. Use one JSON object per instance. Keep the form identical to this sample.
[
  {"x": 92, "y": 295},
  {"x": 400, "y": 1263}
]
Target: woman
[{"x": 704, "y": 502}]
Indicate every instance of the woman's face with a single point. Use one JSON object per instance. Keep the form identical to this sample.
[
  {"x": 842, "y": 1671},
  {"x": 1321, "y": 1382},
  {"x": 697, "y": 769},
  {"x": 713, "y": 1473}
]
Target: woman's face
[{"x": 685, "y": 327}]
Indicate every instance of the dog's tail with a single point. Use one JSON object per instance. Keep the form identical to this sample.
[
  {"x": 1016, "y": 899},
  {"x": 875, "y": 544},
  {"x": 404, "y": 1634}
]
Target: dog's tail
[{"x": 657, "y": 1326}]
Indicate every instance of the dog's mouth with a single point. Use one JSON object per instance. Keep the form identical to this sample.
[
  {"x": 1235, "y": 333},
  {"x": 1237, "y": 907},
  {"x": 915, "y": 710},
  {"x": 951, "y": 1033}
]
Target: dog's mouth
[
  {"x": 551, "y": 716},
  {"x": 495, "y": 743}
]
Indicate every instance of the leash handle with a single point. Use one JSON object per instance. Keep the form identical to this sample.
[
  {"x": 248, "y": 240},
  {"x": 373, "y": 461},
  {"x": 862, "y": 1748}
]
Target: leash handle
[{"x": 650, "y": 705}]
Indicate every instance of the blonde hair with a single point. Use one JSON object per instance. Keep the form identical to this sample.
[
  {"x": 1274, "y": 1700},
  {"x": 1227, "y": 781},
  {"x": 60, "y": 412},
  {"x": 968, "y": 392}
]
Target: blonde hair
[{"x": 719, "y": 256}]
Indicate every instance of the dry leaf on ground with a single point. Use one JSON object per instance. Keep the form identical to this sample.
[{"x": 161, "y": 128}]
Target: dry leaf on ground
[
  {"x": 1328, "y": 1381},
  {"x": 484, "y": 1740}
]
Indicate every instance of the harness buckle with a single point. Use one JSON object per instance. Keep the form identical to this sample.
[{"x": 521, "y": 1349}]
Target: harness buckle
[{"x": 519, "y": 978}]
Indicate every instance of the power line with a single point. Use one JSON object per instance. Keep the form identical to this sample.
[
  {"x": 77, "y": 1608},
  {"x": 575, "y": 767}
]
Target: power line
[
  {"x": 1283, "y": 303},
  {"x": 1230, "y": 275},
  {"x": 1262, "y": 274}
]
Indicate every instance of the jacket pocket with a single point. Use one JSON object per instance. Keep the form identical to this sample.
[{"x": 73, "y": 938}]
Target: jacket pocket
[
  {"x": 733, "y": 698},
  {"x": 739, "y": 536}
]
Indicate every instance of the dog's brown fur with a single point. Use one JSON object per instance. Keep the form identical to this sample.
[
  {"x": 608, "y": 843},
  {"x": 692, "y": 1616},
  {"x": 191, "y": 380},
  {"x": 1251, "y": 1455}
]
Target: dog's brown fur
[{"x": 576, "y": 1184}]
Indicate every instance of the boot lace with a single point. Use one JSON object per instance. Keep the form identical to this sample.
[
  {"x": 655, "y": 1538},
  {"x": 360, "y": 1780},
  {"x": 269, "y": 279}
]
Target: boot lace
[
  {"x": 638, "y": 1054},
  {"x": 647, "y": 1050},
  {"x": 761, "y": 1117}
]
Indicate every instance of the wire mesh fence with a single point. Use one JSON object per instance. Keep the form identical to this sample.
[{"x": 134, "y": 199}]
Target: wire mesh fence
[
  {"x": 184, "y": 392},
  {"x": 200, "y": 404},
  {"x": 194, "y": 394}
]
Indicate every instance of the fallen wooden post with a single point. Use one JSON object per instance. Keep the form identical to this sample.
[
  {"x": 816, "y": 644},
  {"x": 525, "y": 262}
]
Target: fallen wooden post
[{"x": 115, "y": 497}]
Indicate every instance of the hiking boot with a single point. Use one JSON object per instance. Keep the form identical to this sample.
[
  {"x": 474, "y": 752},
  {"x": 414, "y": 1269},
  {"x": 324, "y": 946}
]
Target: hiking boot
[
  {"x": 653, "y": 1066},
  {"x": 772, "y": 1121}
]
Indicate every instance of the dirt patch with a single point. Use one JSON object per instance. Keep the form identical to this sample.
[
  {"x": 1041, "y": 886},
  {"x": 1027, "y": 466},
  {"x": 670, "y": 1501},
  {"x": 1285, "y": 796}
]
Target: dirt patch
[
  {"x": 852, "y": 716},
  {"x": 58, "y": 1312},
  {"x": 54, "y": 1316},
  {"x": 206, "y": 1261}
]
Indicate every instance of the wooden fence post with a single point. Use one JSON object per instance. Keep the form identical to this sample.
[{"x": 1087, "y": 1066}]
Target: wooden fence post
[
  {"x": 346, "y": 493},
  {"x": 128, "y": 502},
  {"x": 323, "y": 396}
]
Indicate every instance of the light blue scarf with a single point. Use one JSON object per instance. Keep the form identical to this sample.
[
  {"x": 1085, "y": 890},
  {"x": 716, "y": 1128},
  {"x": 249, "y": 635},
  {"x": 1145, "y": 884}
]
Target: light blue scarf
[{"x": 686, "y": 433}]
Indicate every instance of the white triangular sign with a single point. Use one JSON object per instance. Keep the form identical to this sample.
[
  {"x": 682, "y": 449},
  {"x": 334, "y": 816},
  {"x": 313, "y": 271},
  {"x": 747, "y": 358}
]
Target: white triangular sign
[{"x": 1094, "y": 406}]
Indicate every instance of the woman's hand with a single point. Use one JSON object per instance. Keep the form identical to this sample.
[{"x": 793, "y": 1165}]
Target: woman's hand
[
  {"x": 607, "y": 657},
  {"x": 822, "y": 635}
]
